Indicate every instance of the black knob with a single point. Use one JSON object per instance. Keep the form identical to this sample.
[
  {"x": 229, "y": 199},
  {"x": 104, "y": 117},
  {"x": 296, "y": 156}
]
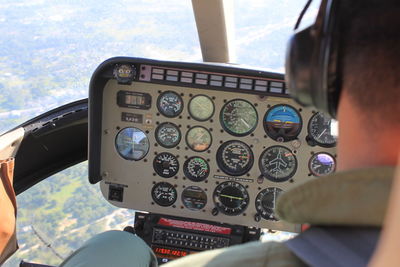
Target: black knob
[
  {"x": 214, "y": 211},
  {"x": 257, "y": 217}
]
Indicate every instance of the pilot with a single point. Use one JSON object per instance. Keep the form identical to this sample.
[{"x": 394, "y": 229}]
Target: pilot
[{"x": 346, "y": 64}]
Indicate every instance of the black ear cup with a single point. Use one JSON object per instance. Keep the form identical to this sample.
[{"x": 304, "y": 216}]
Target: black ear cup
[{"x": 311, "y": 62}]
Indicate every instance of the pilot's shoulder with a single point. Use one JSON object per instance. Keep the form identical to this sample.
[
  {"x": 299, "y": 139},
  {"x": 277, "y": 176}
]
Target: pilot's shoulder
[{"x": 258, "y": 254}]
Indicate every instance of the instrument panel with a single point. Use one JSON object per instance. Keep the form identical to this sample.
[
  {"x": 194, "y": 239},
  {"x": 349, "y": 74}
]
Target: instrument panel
[{"x": 210, "y": 142}]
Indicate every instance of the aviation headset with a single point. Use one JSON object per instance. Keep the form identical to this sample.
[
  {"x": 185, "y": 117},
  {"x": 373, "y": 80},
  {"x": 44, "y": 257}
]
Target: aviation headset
[{"x": 312, "y": 73}]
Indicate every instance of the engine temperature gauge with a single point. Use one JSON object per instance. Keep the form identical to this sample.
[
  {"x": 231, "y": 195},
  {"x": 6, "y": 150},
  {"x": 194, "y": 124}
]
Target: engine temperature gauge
[
  {"x": 164, "y": 194},
  {"x": 196, "y": 169},
  {"x": 166, "y": 165},
  {"x": 322, "y": 164}
]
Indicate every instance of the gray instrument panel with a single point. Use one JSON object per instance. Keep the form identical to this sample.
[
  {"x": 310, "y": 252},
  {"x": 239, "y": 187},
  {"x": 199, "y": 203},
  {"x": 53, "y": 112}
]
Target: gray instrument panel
[{"x": 228, "y": 191}]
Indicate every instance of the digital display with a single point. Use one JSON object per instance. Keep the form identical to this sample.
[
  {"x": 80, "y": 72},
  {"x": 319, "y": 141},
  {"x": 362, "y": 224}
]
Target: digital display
[
  {"x": 135, "y": 100},
  {"x": 171, "y": 253}
]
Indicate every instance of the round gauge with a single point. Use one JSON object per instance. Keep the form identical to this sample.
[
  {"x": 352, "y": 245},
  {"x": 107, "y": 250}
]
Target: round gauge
[
  {"x": 166, "y": 165},
  {"x": 322, "y": 130},
  {"x": 194, "y": 198},
  {"x": 198, "y": 138},
  {"x": 164, "y": 194},
  {"x": 201, "y": 108},
  {"x": 132, "y": 143},
  {"x": 239, "y": 117},
  {"x": 196, "y": 169},
  {"x": 278, "y": 164},
  {"x": 168, "y": 135},
  {"x": 235, "y": 158},
  {"x": 170, "y": 104},
  {"x": 266, "y": 202},
  {"x": 282, "y": 123},
  {"x": 231, "y": 198},
  {"x": 322, "y": 164}
]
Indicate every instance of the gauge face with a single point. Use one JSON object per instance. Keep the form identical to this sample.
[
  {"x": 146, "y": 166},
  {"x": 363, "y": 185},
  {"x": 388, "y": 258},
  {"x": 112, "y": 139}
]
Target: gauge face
[
  {"x": 231, "y": 198},
  {"x": 239, "y": 117},
  {"x": 198, "y": 138},
  {"x": 194, "y": 198},
  {"x": 170, "y": 104},
  {"x": 235, "y": 158},
  {"x": 164, "y": 194},
  {"x": 168, "y": 135},
  {"x": 266, "y": 202},
  {"x": 166, "y": 165},
  {"x": 322, "y": 130},
  {"x": 132, "y": 143},
  {"x": 322, "y": 164},
  {"x": 278, "y": 164},
  {"x": 201, "y": 108},
  {"x": 196, "y": 169},
  {"x": 282, "y": 123}
]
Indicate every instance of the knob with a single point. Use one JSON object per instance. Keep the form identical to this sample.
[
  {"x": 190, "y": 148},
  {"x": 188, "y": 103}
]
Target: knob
[
  {"x": 214, "y": 211},
  {"x": 257, "y": 217}
]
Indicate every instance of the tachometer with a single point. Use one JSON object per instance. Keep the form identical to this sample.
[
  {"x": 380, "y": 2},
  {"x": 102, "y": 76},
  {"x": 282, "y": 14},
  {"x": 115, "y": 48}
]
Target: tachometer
[
  {"x": 282, "y": 123},
  {"x": 231, "y": 198},
  {"x": 322, "y": 130},
  {"x": 278, "y": 164},
  {"x": 201, "y": 108},
  {"x": 196, "y": 169},
  {"x": 322, "y": 164},
  {"x": 166, "y": 165},
  {"x": 239, "y": 117},
  {"x": 194, "y": 198},
  {"x": 168, "y": 135},
  {"x": 170, "y": 104},
  {"x": 235, "y": 158},
  {"x": 132, "y": 143},
  {"x": 164, "y": 194},
  {"x": 266, "y": 202},
  {"x": 198, "y": 138}
]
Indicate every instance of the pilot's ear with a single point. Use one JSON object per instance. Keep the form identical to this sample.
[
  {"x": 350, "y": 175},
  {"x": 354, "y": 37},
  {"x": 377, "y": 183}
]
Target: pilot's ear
[{"x": 387, "y": 252}]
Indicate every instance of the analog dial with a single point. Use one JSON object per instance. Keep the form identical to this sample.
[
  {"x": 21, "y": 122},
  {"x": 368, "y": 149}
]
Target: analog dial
[
  {"x": 194, "y": 198},
  {"x": 166, "y": 165},
  {"x": 164, "y": 194},
  {"x": 168, "y": 135},
  {"x": 266, "y": 202},
  {"x": 231, "y": 198},
  {"x": 198, "y": 138},
  {"x": 201, "y": 108},
  {"x": 278, "y": 164},
  {"x": 282, "y": 123},
  {"x": 322, "y": 130},
  {"x": 132, "y": 143},
  {"x": 196, "y": 169},
  {"x": 322, "y": 164},
  {"x": 235, "y": 158},
  {"x": 239, "y": 117},
  {"x": 170, "y": 104}
]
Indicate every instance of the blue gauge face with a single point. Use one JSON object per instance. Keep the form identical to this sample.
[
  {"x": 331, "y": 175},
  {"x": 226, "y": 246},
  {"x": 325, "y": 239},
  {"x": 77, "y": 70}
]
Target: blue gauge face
[
  {"x": 132, "y": 143},
  {"x": 282, "y": 123}
]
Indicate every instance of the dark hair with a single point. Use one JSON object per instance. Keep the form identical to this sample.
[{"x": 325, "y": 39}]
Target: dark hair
[{"x": 370, "y": 55}]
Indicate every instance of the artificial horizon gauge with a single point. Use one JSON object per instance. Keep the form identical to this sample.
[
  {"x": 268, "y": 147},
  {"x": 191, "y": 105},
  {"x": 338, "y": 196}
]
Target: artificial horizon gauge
[
  {"x": 164, "y": 194},
  {"x": 322, "y": 164},
  {"x": 201, "y": 107},
  {"x": 322, "y": 130},
  {"x": 168, "y": 135},
  {"x": 282, "y": 123},
  {"x": 170, "y": 104},
  {"x": 266, "y": 202},
  {"x": 166, "y": 165},
  {"x": 278, "y": 164},
  {"x": 196, "y": 169},
  {"x": 238, "y": 117},
  {"x": 231, "y": 198},
  {"x": 235, "y": 158},
  {"x": 198, "y": 138},
  {"x": 132, "y": 143},
  {"x": 194, "y": 198}
]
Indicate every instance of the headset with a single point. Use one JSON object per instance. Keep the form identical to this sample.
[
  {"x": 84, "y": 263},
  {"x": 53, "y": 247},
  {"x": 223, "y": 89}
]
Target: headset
[{"x": 312, "y": 63}]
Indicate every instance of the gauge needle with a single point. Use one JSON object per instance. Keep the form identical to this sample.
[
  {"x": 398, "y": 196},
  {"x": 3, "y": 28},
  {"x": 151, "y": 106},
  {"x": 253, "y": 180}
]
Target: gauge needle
[
  {"x": 232, "y": 197},
  {"x": 322, "y": 132},
  {"x": 247, "y": 125}
]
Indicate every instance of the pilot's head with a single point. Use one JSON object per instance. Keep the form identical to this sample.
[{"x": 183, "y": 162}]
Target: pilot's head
[{"x": 348, "y": 64}]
